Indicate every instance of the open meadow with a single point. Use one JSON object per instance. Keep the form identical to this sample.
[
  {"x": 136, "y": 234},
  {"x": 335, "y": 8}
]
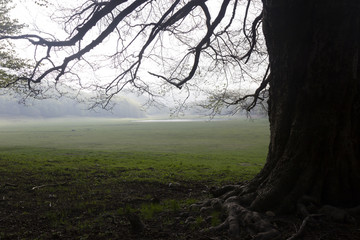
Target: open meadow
[{"x": 81, "y": 178}]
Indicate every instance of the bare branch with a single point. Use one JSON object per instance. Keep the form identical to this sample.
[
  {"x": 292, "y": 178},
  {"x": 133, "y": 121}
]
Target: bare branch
[
  {"x": 255, "y": 96},
  {"x": 183, "y": 40},
  {"x": 204, "y": 41}
]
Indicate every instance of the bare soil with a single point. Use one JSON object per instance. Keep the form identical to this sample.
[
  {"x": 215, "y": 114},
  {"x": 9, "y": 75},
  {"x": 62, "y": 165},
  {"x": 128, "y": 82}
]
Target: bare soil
[{"x": 71, "y": 210}]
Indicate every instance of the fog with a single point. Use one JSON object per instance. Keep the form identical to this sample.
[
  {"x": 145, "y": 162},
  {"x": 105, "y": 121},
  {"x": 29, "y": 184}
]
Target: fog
[
  {"x": 172, "y": 101},
  {"x": 65, "y": 107}
]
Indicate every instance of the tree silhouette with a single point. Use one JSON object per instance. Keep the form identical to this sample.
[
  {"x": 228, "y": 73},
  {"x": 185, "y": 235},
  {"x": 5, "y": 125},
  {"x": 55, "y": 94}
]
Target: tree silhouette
[
  {"x": 10, "y": 64},
  {"x": 167, "y": 37},
  {"x": 313, "y": 79}
]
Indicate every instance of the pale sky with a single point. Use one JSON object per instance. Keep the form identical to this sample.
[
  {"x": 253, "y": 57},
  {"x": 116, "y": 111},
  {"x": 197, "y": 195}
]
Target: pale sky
[{"x": 28, "y": 12}]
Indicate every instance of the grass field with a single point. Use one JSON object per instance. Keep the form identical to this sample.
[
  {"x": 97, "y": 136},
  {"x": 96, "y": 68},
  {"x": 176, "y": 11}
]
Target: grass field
[
  {"x": 237, "y": 147},
  {"x": 77, "y": 179}
]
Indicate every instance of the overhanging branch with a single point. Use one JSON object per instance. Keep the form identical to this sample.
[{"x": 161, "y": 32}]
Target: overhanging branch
[{"x": 256, "y": 95}]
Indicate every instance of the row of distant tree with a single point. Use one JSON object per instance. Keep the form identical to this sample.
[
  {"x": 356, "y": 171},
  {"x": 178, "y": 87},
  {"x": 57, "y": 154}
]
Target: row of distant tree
[{"x": 51, "y": 108}]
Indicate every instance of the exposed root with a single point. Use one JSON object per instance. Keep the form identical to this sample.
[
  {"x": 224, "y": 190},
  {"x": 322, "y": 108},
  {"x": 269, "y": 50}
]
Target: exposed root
[
  {"x": 229, "y": 200},
  {"x": 233, "y": 202},
  {"x": 48, "y": 185},
  {"x": 240, "y": 193},
  {"x": 307, "y": 204},
  {"x": 337, "y": 214},
  {"x": 301, "y": 230},
  {"x": 217, "y": 192},
  {"x": 239, "y": 217},
  {"x": 252, "y": 221},
  {"x": 207, "y": 206}
]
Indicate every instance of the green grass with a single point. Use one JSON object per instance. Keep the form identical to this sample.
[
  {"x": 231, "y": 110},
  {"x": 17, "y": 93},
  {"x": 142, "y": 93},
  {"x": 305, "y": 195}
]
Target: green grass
[
  {"x": 126, "y": 135},
  {"x": 88, "y": 173},
  {"x": 166, "y": 151}
]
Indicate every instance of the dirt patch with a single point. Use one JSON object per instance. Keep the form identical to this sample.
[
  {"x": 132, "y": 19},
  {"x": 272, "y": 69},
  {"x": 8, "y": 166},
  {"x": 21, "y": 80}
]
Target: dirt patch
[{"x": 97, "y": 208}]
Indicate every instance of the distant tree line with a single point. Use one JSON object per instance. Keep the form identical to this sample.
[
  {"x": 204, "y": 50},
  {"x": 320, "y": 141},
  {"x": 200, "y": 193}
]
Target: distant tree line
[{"x": 51, "y": 108}]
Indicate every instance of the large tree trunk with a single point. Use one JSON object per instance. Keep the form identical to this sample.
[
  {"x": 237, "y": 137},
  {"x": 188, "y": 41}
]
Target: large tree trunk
[{"x": 314, "y": 105}]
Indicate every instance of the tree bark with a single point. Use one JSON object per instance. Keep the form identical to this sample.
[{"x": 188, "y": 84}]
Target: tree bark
[{"x": 314, "y": 104}]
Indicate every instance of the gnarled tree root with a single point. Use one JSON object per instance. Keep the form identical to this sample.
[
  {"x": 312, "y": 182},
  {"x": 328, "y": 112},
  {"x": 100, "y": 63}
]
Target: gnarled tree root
[
  {"x": 333, "y": 213},
  {"x": 240, "y": 217},
  {"x": 252, "y": 221},
  {"x": 228, "y": 200},
  {"x": 232, "y": 201},
  {"x": 301, "y": 230}
]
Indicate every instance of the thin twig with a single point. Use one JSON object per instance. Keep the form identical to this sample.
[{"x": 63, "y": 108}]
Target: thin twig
[{"x": 48, "y": 185}]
